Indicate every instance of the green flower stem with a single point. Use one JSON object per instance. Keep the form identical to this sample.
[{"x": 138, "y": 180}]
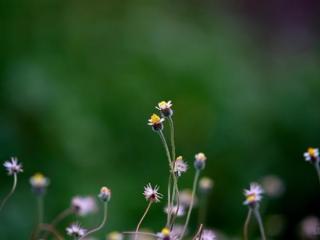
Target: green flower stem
[
  {"x": 258, "y": 217},
  {"x": 246, "y": 224},
  {"x": 40, "y": 209},
  {"x": 142, "y": 218},
  {"x": 317, "y": 169},
  {"x": 169, "y": 199},
  {"x": 194, "y": 188},
  {"x": 100, "y": 226},
  {"x": 173, "y": 146},
  {"x": 15, "y": 180}
]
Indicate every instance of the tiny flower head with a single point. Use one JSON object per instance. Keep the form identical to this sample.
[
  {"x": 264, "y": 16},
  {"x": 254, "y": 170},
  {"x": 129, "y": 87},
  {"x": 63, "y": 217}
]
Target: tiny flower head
[
  {"x": 207, "y": 235},
  {"x": 312, "y": 155},
  {"x": 185, "y": 198},
  {"x": 75, "y": 230},
  {"x": 180, "y": 166},
  {"x": 39, "y": 183},
  {"x": 310, "y": 227},
  {"x": 152, "y": 194},
  {"x": 105, "y": 194},
  {"x": 83, "y": 205},
  {"x": 165, "y": 108},
  {"x": 12, "y": 166},
  {"x": 200, "y": 161},
  {"x": 174, "y": 210},
  {"x": 253, "y": 195},
  {"x": 205, "y": 185},
  {"x": 156, "y": 122},
  {"x": 114, "y": 236},
  {"x": 164, "y": 234}
]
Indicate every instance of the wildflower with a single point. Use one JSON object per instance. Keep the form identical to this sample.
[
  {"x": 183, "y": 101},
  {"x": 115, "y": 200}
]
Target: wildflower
[
  {"x": 105, "y": 194},
  {"x": 205, "y": 185},
  {"x": 13, "y": 167},
  {"x": 185, "y": 198},
  {"x": 200, "y": 161},
  {"x": 174, "y": 209},
  {"x": 165, "y": 108},
  {"x": 310, "y": 227},
  {"x": 75, "y": 230},
  {"x": 83, "y": 205},
  {"x": 253, "y": 195},
  {"x": 312, "y": 155},
  {"x": 164, "y": 234},
  {"x": 151, "y": 194},
  {"x": 115, "y": 236},
  {"x": 156, "y": 122},
  {"x": 180, "y": 166},
  {"x": 273, "y": 186},
  {"x": 39, "y": 183},
  {"x": 207, "y": 235}
]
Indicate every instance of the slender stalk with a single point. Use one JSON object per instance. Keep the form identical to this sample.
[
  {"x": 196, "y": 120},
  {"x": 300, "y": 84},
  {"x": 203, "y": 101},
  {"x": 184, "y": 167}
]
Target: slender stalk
[
  {"x": 199, "y": 233},
  {"x": 15, "y": 180},
  {"x": 143, "y": 216},
  {"x": 104, "y": 220},
  {"x": 173, "y": 146},
  {"x": 40, "y": 209},
  {"x": 142, "y": 233},
  {"x": 169, "y": 199},
  {"x": 258, "y": 217},
  {"x": 246, "y": 224},
  {"x": 318, "y": 169},
  {"x": 178, "y": 204},
  {"x": 195, "y": 182},
  {"x": 203, "y": 209}
]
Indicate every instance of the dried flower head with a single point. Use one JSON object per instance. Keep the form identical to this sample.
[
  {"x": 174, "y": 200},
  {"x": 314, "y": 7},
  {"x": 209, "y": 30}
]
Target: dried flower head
[
  {"x": 152, "y": 194},
  {"x": 12, "y": 166},
  {"x": 115, "y": 236},
  {"x": 253, "y": 195},
  {"x": 207, "y": 235},
  {"x": 105, "y": 194},
  {"x": 165, "y": 108},
  {"x": 164, "y": 234},
  {"x": 312, "y": 155},
  {"x": 83, "y": 205},
  {"x": 39, "y": 183},
  {"x": 75, "y": 230},
  {"x": 156, "y": 122},
  {"x": 180, "y": 166},
  {"x": 200, "y": 161},
  {"x": 174, "y": 210},
  {"x": 205, "y": 184}
]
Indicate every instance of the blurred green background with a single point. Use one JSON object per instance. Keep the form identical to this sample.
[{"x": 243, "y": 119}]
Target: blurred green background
[{"x": 79, "y": 79}]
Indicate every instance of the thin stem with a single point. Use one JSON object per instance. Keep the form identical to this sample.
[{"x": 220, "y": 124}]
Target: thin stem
[
  {"x": 15, "y": 180},
  {"x": 169, "y": 199},
  {"x": 173, "y": 146},
  {"x": 143, "y": 216},
  {"x": 40, "y": 209},
  {"x": 203, "y": 208},
  {"x": 195, "y": 182},
  {"x": 141, "y": 233},
  {"x": 104, "y": 220},
  {"x": 178, "y": 203},
  {"x": 52, "y": 230},
  {"x": 199, "y": 233},
  {"x": 258, "y": 217},
  {"x": 246, "y": 224},
  {"x": 318, "y": 169}
]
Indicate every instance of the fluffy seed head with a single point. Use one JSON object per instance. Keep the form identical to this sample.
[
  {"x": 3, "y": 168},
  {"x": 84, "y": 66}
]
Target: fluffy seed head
[
  {"x": 180, "y": 166},
  {"x": 12, "y": 166},
  {"x": 83, "y": 205},
  {"x": 175, "y": 211},
  {"x": 75, "y": 230},
  {"x": 207, "y": 235},
  {"x": 152, "y": 194}
]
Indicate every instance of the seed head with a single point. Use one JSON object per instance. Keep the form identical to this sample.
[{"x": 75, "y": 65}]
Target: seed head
[{"x": 12, "y": 166}]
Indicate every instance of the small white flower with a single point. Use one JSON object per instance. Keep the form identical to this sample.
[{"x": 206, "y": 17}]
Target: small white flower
[
  {"x": 173, "y": 210},
  {"x": 13, "y": 167},
  {"x": 115, "y": 236},
  {"x": 165, "y": 234},
  {"x": 311, "y": 155},
  {"x": 105, "y": 194},
  {"x": 83, "y": 205},
  {"x": 152, "y": 194},
  {"x": 38, "y": 180},
  {"x": 180, "y": 166},
  {"x": 207, "y": 235},
  {"x": 156, "y": 122},
  {"x": 253, "y": 195},
  {"x": 75, "y": 230},
  {"x": 165, "y": 108}
]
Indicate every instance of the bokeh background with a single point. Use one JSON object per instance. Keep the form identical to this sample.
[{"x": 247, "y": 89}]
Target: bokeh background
[{"x": 79, "y": 79}]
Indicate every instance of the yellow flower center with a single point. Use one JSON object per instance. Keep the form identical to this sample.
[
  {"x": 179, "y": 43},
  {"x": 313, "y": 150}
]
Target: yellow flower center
[
  {"x": 155, "y": 119},
  {"x": 38, "y": 177},
  {"x": 165, "y": 231},
  {"x": 312, "y": 152},
  {"x": 251, "y": 198},
  {"x": 162, "y": 104}
]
